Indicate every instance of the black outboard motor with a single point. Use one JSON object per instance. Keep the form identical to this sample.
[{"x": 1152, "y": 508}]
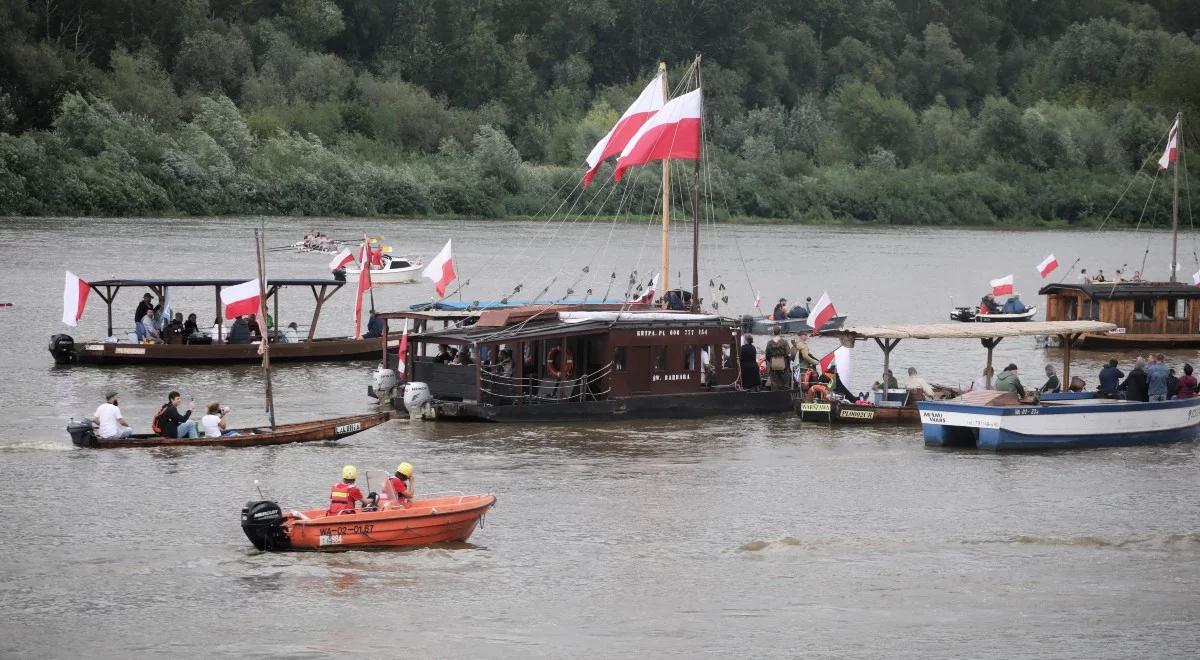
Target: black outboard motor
[
  {"x": 81, "y": 431},
  {"x": 963, "y": 314},
  {"x": 798, "y": 312},
  {"x": 262, "y": 522},
  {"x": 62, "y": 347},
  {"x": 340, "y": 275}
]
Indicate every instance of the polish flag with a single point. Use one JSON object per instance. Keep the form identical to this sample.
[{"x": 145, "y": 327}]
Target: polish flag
[
  {"x": 341, "y": 259},
  {"x": 647, "y": 296},
  {"x": 441, "y": 270},
  {"x": 75, "y": 295},
  {"x": 403, "y": 352},
  {"x": 757, "y": 298},
  {"x": 1002, "y": 286},
  {"x": 1171, "y": 154},
  {"x": 648, "y": 102},
  {"x": 364, "y": 285},
  {"x": 828, "y": 361},
  {"x": 1195, "y": 279},
  {"x": 242, "y": 299},
  {"x": 1047, "y": 266},
  {"x": 673, "y": 132},
  {"x": 821, "y": 313}
]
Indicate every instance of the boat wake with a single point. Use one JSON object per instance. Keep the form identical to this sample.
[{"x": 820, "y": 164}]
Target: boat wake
[
  {"x": 1161, "y": 540},
  {"x": 45, "y": 445}
]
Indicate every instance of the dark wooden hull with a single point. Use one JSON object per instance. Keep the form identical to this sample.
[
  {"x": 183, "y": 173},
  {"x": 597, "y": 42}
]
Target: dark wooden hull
[
  {"x": 664, "y": 406},
  {"x": 836, "y": 412},
  {"x": 319, "y": 350},
  {"x": 314, "y": 431}
]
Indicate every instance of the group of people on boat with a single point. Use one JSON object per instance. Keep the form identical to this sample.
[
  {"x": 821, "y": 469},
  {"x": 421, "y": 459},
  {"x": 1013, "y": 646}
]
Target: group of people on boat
[
  {"x": 782, "y": 312},
  {"x": 1150, "y": 379},
  {"x": 1118, "y": 277},
  {"x": 346, "y": 497},
  {"x": 988, "y": 305},
  {"x": 153, "y": 325},
  {"x": 316, "y": 241},
  {"x": 109, "y": 422}
]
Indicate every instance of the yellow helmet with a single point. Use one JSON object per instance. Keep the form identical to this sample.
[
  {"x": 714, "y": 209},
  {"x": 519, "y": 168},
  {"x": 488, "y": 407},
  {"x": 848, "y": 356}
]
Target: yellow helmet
[
  {"x": 350, "y": 472},
  {"x": 405, "y": 469}
]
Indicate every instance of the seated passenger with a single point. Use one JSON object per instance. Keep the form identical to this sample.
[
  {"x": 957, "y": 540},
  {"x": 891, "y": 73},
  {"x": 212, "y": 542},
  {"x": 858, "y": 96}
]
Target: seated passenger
[
  {"x": 190, "y": 327},
  {"x": 239, "y": 332},
  {"x": 292, "y": 334},
  {"x": 213, "y": 423},
  {"x": 173, "y": 331},
  {"x": 345, "y": 496},
  {"x": 401, "y": 484},
  {"x": 444, "y": 355},
  {"x": 150, "y": 330},
  {"x": 916, "y": 382},
  {"x": 1052, "y": 383},
  {"x": 374, "y": 326},
  {"x": 781, "y": 311},
  {"x": 1014, "y": 305}
]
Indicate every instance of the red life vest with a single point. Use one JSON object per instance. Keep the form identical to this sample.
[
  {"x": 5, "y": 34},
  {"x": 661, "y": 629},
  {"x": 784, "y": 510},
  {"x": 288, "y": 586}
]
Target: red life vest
[{"x": 342, "y": 497}]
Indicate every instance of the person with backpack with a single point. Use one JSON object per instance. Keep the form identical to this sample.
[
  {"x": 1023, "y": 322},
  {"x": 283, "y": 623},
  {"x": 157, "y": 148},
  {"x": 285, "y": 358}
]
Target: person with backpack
[{"x": 170, "y": 424}]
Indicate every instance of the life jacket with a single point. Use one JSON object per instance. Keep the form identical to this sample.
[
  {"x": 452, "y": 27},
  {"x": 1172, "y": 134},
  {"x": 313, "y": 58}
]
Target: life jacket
[
  {"x": 341, "y": 497},
  {"x": 983, "y": 309},
  {"x": 401, "y": 488}
]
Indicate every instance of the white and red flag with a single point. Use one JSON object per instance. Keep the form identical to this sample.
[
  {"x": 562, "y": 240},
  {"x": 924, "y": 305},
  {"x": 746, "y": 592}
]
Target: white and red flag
[
  {"x": 1047, "y": 266},
  {"x": 646, "y": 297},
  {"x": 242, "y": 299},
  {"x": 75, "y": 295},
  {"x": 673, "y": 132},
  {"x": 341, "y": 259},
  {"x": 821, "y": 312},
  {"x": 441, "y": 270},
  {"x": 1002, "y": 286},
  {"x": 1171, "y": 154},
  {"x": 403, "y": 352},
  {"x": 828, "y": 361},
  {"x": 1196, "y": 278},
  {"x": 364, "y": 285},
  {"x": 648, "y": 102}
]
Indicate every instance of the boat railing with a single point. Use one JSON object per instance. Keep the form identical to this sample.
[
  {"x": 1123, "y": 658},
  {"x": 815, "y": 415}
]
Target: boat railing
[{"x": 512, "y": 389}]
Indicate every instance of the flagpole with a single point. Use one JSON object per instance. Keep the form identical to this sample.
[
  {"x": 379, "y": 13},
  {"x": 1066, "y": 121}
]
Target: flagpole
[
  {"x": 666, "y": 201},
  {"x": 696, "y": 214},
  {"x": 260, "y": 258},
  {"x": 1175, "y": 197}
]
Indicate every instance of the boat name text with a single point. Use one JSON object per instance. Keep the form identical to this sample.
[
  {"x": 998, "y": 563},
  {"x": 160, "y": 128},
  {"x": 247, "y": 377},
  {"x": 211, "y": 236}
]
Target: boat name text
[{"x": 347, "y": 428}]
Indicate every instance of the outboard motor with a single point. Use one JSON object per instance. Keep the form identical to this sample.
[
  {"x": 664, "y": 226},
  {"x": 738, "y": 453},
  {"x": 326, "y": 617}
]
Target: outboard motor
[
  {"x": 798, "y": 312},
  {"x": 62, "y": 347},
  {"x": 416, "y": 397},
  {"x": 81, "y": 432},
  {"x": 383, "y": 383},
  {"x": 262, "y": 521},
  {"x": 963, "y": 314},
  {"x": 340, "y": 275}
]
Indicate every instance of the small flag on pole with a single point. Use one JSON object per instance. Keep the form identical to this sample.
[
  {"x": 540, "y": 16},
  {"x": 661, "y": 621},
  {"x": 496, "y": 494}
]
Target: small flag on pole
[
  {"x": 403, "y": 350},
  {"x": 1048, "y": 265},
  {"x": 1171, "y": 154},
  {"x": 341, "y": 259},
  {"x": 1002, "y": 286},
  {"x": 647, "y": 296},
  {"x": 75, "y": 295},
  {"x": 1196, "y": 278},
  {"x": 821, "y": 313},
  {"x": 441, "y": 270}
]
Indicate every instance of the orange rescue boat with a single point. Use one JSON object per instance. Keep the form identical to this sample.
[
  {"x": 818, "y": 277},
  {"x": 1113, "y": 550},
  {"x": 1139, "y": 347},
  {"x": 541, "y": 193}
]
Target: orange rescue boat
[{"x": 426, "y": 520}]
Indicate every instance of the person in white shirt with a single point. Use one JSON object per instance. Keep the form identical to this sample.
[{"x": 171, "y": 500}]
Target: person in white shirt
[
  {"x": 109, "y": 420},
  {"x": 213, "y": 423},
  {"x": 916, "y": 382},
  {"x": 292, "y": 334}
]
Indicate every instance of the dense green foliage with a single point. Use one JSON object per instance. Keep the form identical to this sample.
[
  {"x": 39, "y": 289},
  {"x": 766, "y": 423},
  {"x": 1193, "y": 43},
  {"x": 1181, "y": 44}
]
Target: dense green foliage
[{"x": 889, "y": 111}]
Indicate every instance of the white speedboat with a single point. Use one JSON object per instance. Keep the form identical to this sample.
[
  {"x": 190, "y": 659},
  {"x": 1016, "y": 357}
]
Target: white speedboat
[{"x": 395, "y": 270}]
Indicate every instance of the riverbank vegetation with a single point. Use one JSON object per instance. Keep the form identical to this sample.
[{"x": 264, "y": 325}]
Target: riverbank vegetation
[{"x": 976, "y": 112}]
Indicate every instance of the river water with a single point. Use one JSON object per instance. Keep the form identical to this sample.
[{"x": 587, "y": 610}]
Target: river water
[{"x": 731, "y": 537}]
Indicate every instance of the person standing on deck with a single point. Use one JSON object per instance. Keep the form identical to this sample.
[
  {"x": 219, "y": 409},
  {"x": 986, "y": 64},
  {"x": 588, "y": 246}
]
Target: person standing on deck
[
  {"x": 748, "y": 358},
  {"x": 1008, "y": 381},
  {"x": 800, "y": 352},
  {"x": 111, "y": 425},
  {"x": 1135, "y": 384},
  {"x": 1110, "y": 379},
  {"x": 1156, "y": 378},
  {"x": 778, "y": 370},
  {"x": 1084, "y": 278},
  {"x": 1052, "y": 383},
  {"x": 1187, "y": 384}
]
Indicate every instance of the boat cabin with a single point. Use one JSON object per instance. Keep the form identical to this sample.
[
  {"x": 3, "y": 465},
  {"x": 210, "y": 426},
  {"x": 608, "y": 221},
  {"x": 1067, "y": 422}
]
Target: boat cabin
[
  {"x": 1145, "y": 313},
  {"x": 562, "y": 353}
]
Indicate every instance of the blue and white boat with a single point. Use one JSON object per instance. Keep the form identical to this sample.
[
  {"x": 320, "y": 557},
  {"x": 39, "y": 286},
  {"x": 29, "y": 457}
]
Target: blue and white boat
[{"x": 1059, "y": 421}]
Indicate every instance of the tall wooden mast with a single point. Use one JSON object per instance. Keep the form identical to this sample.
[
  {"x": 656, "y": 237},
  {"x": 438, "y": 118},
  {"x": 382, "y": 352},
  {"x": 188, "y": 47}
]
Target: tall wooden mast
[
  {"x": 264, "y": 329},
  {"x": 1175, "y": 197},
  {"x": 695, "y": 306},
  {"x": 665, "y": 272}
]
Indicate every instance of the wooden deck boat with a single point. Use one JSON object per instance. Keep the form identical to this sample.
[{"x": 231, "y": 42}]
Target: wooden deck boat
[
  {"x": 426, "y": 520},
  {"x": 394, "y": 270},
  {"x": 83, "y": 435},
  {"x": 997, "y": 421},
  {"x": 1146, "y": 314},
  {"x": 900, "y": 407},
  {"x": 111, "y": 351}
]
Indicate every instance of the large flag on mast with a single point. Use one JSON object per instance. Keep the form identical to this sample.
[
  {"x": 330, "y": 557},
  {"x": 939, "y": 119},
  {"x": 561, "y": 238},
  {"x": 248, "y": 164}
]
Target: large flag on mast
[
  {"x": 364, "y": 284},
  {"x": 673, "y": 132},
  {"x": 75, "y": 295},
  {"x": 1171, "y": 154},
  {"x": 648, "y": 102},
  {"x": 441, "y": 269}
]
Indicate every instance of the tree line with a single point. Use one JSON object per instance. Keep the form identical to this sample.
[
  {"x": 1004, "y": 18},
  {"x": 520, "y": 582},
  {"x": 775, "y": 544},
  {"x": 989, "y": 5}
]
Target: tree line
[{"x": 980, "y": 112}]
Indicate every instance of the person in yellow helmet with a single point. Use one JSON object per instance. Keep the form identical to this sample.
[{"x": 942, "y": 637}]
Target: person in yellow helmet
[
  {"x": 401, "y": 483},
  {"x": 345, "y": 496}
]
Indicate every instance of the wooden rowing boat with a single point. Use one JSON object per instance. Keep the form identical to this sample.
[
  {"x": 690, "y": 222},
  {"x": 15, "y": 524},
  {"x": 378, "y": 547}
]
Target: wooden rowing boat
[
  {"x": 82, "y": 434},
  {"x": 442, "y": 518}
]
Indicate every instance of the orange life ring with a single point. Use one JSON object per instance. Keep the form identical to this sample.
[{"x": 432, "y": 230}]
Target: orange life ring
[
  {"x": 568, "y": 364},
  {"x": 806, "y": 380}
]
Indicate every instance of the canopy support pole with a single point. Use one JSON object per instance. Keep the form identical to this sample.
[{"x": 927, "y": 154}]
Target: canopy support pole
[
  {"x": 990, "y": 344},
  {"x": 1067, "y": 340},
  {"x": 886, "y": 345},
  {"x": 107, "y": 296},
  {"x": 220, "y": 316},
  {"x": 321, "y": 298}
]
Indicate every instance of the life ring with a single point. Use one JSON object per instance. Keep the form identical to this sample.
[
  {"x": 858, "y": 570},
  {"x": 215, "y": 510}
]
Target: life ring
[
  {"x": 568, "y": 364},
  {"x": 762, "y": 366},
  {"x": 818, "y": 391},
  {"x": 806, "y": 379}
]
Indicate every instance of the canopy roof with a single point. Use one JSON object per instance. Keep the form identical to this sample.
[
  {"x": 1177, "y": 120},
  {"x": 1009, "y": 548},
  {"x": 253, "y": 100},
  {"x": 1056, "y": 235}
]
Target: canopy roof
[
  {"x": 1121, "y": 290},
  {"x": 271, "y": 281},
  {"x": 971, "y": 330}
]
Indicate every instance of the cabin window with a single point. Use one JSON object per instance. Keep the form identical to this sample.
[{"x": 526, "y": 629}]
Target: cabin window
[
  {"x": 1177, "y": 309},
  {"x": 619, "y": 358},
  {"x": 1072, "y": 309},
  {"x": 689, "y": 358},
  {"x": 1091, "y": 311},
  {"x": 1143, "y": 309},
  {"x": 660, "y": 357}
]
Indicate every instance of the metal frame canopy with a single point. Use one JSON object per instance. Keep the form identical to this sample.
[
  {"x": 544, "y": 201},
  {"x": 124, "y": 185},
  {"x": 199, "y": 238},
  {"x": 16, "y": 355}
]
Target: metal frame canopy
[
  {"x": 988, "y": 334},
  {"x": 107, "y": 290}
]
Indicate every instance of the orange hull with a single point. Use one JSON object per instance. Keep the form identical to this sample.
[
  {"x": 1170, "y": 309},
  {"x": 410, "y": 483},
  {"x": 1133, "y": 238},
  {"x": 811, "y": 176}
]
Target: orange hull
[{"x": 427, "y": 521}]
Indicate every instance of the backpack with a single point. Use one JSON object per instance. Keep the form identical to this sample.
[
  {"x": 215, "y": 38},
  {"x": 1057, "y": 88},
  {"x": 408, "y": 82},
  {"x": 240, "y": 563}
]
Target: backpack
[{"x": 154, "y": 425}]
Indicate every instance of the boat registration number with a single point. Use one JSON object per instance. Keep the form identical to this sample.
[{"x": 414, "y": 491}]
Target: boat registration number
[
  {"x": 857, "y": 414},
  {"x": 348, "y": 428},
  {"x": 331, "y": 539},
  {"x": 333, "y": 535},
  {"x": 815, "y": 407}
]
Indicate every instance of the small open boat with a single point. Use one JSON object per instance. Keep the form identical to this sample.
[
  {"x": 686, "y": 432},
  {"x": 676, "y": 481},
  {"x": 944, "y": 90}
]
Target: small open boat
[
  {"x": 763, "y": 326},
  {"x": 83, "y": 435},
  {"x": 426, "y": 520},
  {"x": 969, "y": 314},
  {"x": 900, "y": 407},
  {"x": 395, "y": 270}
]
